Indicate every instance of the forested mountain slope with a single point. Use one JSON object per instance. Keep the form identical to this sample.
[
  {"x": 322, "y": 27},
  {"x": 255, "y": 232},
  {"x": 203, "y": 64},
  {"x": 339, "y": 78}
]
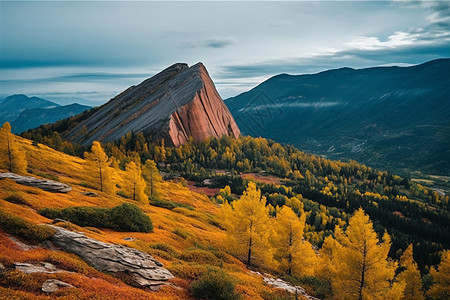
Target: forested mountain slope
[{"x": 392, "y": 118}]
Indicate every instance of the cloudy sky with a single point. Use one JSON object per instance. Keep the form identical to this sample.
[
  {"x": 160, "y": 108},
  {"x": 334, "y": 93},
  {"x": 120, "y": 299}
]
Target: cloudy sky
[{"x": 89, "y": 51}]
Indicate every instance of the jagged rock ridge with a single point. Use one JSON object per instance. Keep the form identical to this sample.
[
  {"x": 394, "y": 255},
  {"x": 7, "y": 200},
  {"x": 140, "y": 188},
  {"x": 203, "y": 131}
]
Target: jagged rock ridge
[{"x": 178, "y": 103}]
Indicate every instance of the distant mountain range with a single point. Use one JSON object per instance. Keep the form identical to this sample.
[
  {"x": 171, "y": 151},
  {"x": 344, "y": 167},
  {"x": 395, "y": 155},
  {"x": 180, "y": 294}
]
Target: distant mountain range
[
  {"x": 29, "y": 112},
  {"x": 387, "y": 117}
]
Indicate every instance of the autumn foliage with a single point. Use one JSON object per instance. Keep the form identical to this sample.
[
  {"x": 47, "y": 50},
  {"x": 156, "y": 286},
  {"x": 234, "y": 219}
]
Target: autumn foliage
[{"x": 11, "y": 156}]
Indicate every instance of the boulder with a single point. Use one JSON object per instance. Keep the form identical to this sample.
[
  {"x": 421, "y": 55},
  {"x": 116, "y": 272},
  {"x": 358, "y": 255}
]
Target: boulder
[
  {"x": 44, "y": 184},
  {"x": 53, "y": 285},
  {"x": 284, "y": 285},
  {"x": 142, "y": 267},
  {"x": 43, "y": 267}
]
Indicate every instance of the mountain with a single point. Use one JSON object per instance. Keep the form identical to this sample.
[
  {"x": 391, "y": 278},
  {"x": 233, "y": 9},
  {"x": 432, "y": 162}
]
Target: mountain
[
  {"x": 178, "y": 103},
  {"x": 34, "y": 117},
  {"x": 12, "y": 106},
  {"x": 386, "y": 117}
]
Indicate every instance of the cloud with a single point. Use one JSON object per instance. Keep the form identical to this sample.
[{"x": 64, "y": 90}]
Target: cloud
[
  {"x": 215, "y": 42},
  {"x": 373, "y": 43}
]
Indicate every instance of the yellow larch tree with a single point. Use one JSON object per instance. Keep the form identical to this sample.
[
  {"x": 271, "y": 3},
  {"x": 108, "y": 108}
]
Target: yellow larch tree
[
  {"x": 135, "y": 184},
  {"x": 361, "y": 266},
  {"x": 247, "y": 223},
  {"x": 295, "y": 256},
  {"x": 324, "y": 269},
  {"x": 152, "y": 177},
  {"x": 12, "y": 157},
  {"x": 97, "y": 168},
  {"x": 441, "y": 277},
  {"x": 410, "y": 276}
]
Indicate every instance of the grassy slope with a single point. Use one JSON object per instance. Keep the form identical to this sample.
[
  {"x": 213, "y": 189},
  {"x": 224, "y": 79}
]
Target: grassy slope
[{"x": 176, "y": 233}]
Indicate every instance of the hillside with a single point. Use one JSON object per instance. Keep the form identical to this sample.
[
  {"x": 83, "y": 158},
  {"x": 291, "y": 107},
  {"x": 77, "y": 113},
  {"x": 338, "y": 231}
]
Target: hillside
[
  {"x": 393, "y": 118},
  {"x": 186, "y": 237},
  {"x": 189, "y": 236}
]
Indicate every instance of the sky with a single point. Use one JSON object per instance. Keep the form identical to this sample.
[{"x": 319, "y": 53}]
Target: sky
[{"x": 88, "y": 52}]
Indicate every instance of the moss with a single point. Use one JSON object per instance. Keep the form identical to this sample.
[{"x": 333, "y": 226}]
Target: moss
[{"x": 24, "y": 229}]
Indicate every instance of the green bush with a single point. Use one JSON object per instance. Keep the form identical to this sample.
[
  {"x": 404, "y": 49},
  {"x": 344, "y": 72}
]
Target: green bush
[
  {"x": 22, "y": 228},
  {"x": 125, "y": 217},
  {"x": 322, "y": 288},
  {"x": 80, "y": 215},
  {"x": 214, "y": 284},
  {"x": 129, "y": 217},
  {"x": 168, "y": 204},
  {"x": 16, "y": 199},
  {"x": 181, "y": 233},
  {"x": 189, "y": 271}
]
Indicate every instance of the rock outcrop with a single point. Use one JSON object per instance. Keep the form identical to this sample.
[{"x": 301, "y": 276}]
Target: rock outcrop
[
  {"x": 142, "y": 267},
  {"x": 43, "y": 267},
  {"x": 46, "y": 185},
  {"x": 178, "y": 103},
  {"x": 53, "y": 285},
  {"x": 286, "y": 286}
]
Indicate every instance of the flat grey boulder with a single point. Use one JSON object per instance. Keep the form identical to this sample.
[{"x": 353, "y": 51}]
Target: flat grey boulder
[
  {"x": 44, "y": 184},
  {"x": 284, "y": 285},
  {"x": 43, "y": 267},
  {"x": 53, "y": 285},
  {"x": 142, "y": 267}
]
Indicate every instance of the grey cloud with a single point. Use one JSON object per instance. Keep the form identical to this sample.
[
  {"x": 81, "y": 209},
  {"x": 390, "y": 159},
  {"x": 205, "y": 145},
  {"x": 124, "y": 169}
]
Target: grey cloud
[{"x": 215, "y": 42}]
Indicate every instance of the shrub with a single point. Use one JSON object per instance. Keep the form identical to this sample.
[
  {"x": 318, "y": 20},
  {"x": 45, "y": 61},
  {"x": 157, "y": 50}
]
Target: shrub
[
  {"x": 16, "y": 199},
  {"x": 48, "y": 176},
  {"x": 24, "y": 229},
  {"x": 322, "y": 288},
  {"x": 129, "y": 217},
  {"x": 277, "y": 295},
  {"x": 181, "y": 233},
  {"x": 159, "y": 249},
  {"x": 80, "y": 215},
  {"x": 199, "y": 256},
  {"x": 169, "y": 204},
  {"x": 214, "y": 284},
  {"x": 125, "y": 217},
  {"x": 187, "y": 271}
]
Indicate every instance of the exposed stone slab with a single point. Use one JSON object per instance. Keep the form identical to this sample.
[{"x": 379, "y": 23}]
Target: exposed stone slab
[
  {"x": 43, "y": 267},
  {"x": 44, "y": 184},
  {"x": 144, "y": 269},
  {"x": 53, "y": 285},
  {"x": 283, "y": 285}
]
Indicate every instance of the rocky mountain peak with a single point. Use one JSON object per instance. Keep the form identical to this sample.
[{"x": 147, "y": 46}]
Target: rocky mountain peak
[{"x": 178, "y": 103}]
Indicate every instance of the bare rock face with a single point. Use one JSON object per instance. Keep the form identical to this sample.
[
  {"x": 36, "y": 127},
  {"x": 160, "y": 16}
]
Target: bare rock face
[
  {"x": 178, "y": 103},
  {"x": 286, "y": 286},
  {"x": 143, "y": 268},
  {"x": 43, "y": 267},
  {"x": 53, "y": 285},
  {"x": 46, "y": 185}
]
